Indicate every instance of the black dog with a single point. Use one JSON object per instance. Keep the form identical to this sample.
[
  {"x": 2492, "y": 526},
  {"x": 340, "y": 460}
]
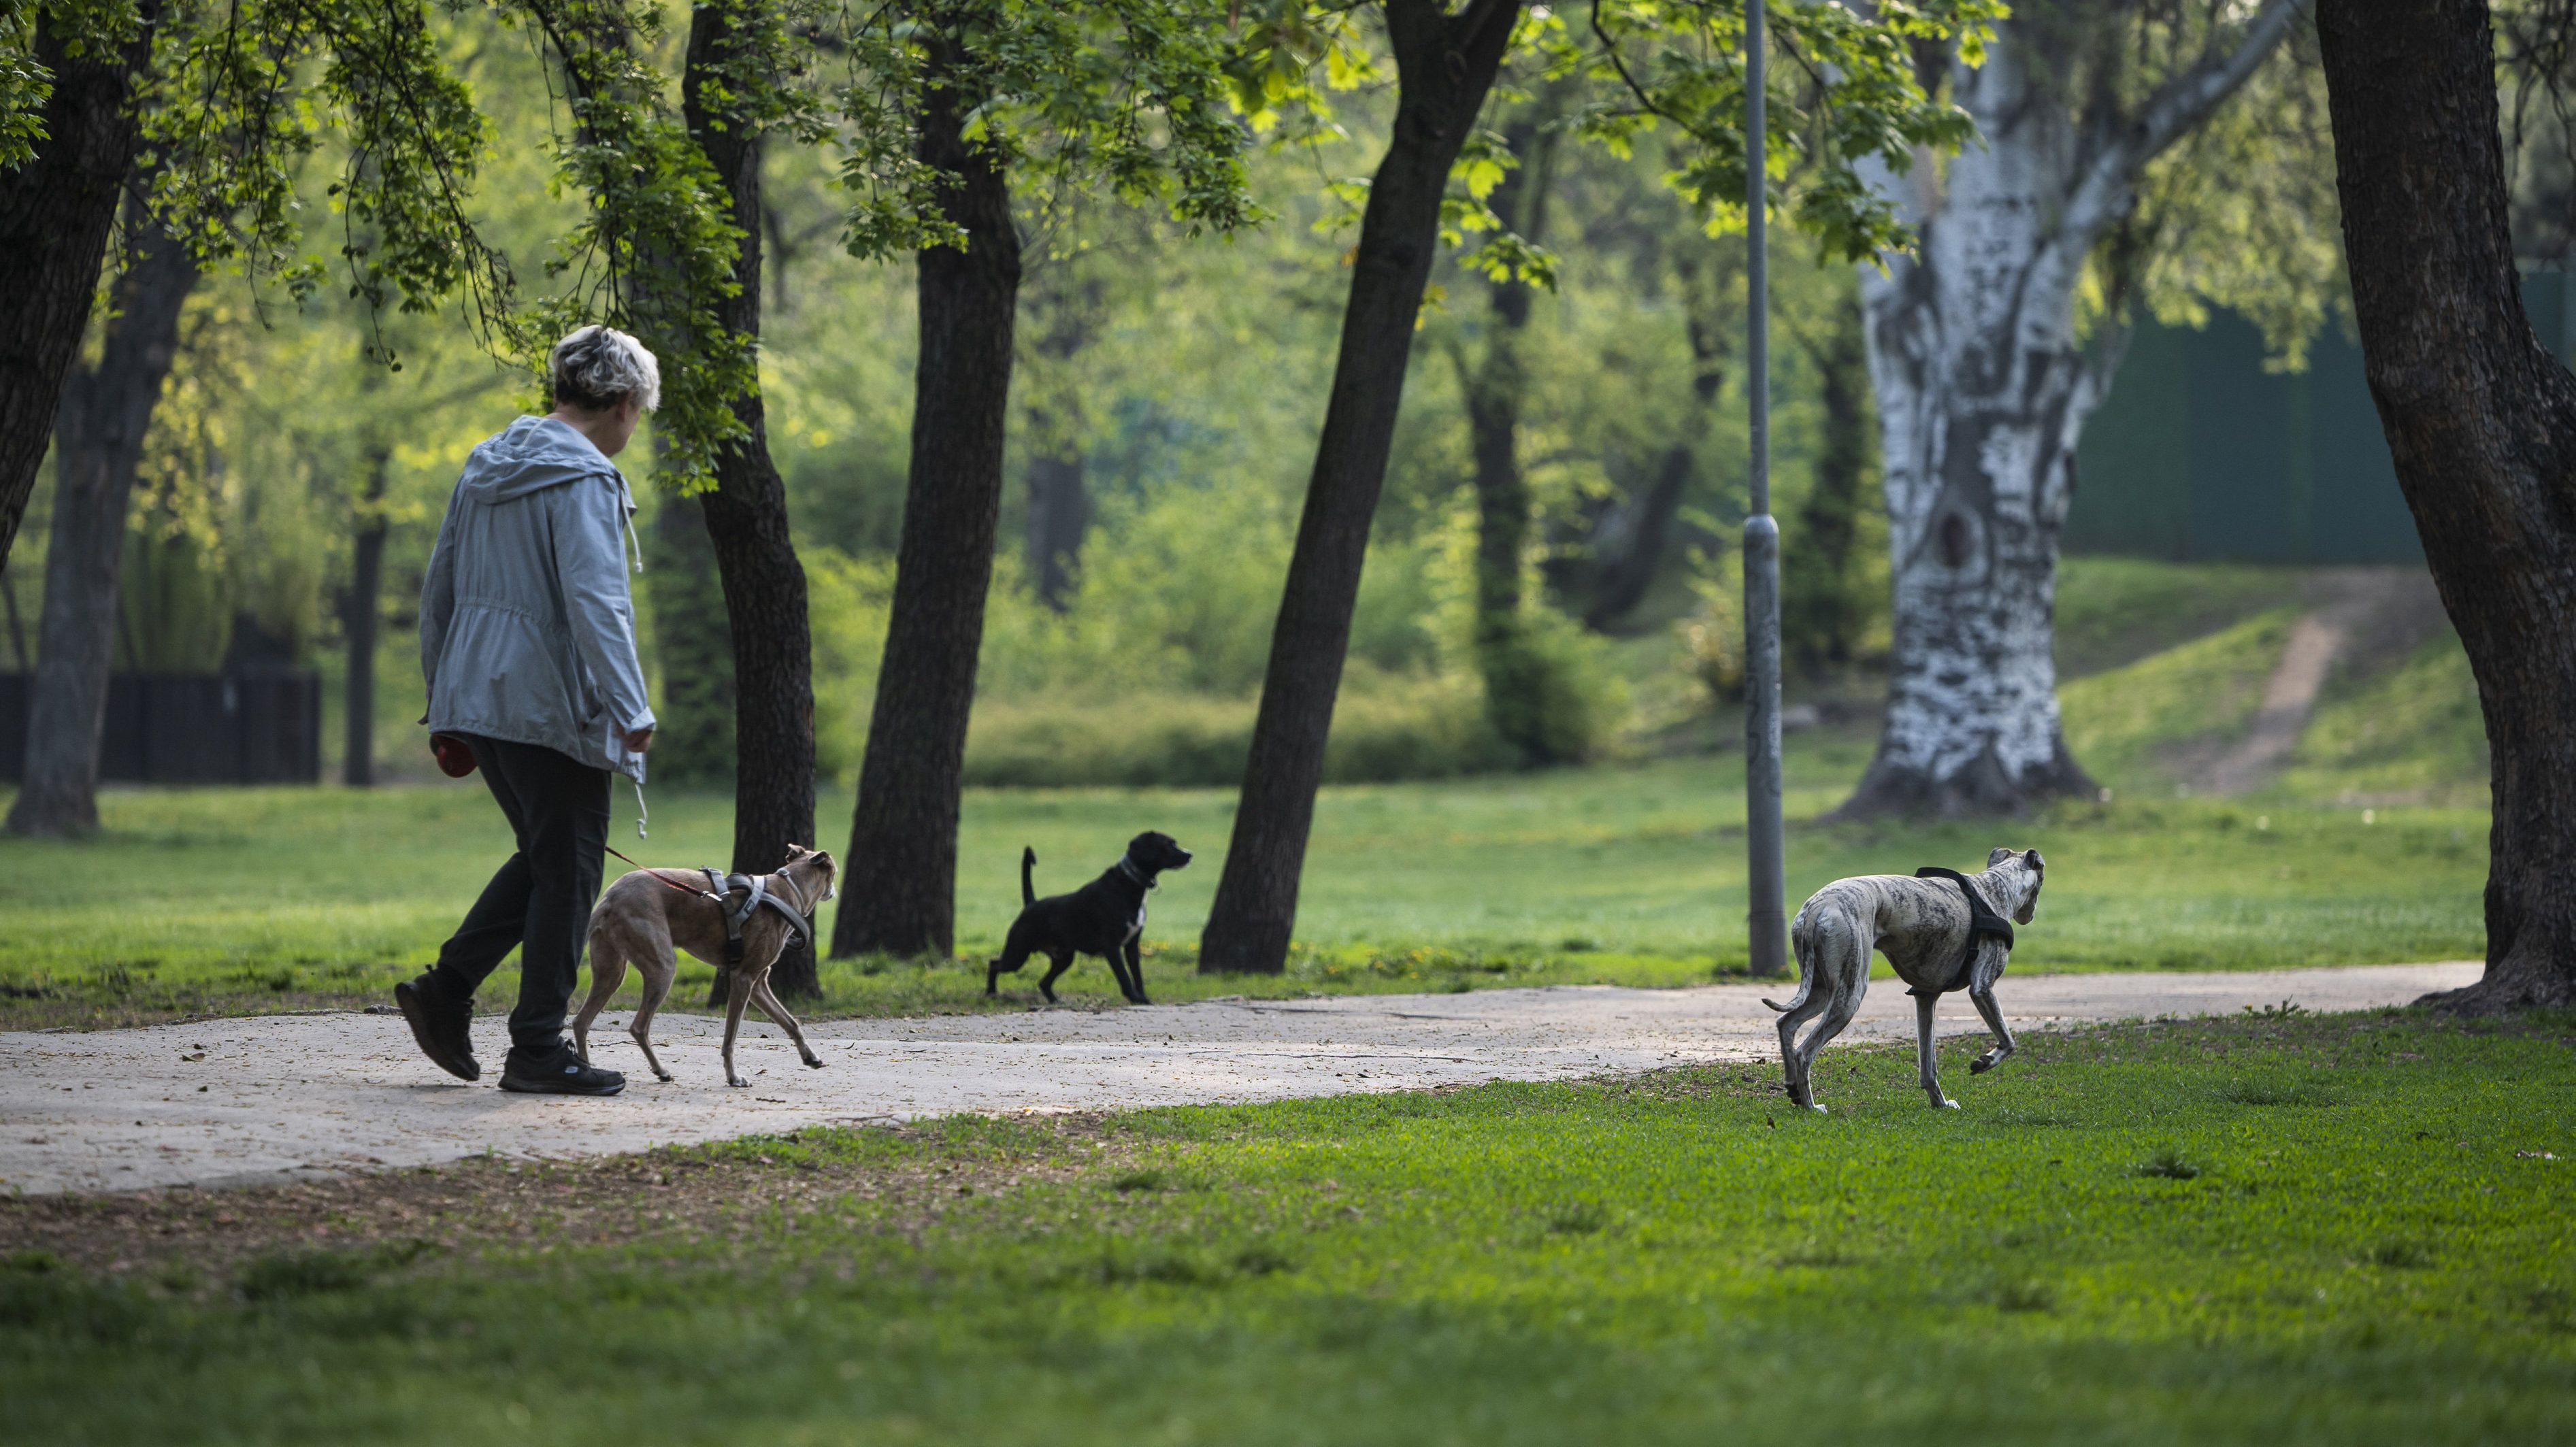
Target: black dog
[{"x": 1105, "y": 917}]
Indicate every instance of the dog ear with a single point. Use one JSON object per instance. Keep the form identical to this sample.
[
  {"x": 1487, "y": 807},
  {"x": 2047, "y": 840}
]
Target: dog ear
[
  {"x": 1997, "y": 856},
  {"x": 2037, "y": 864}
]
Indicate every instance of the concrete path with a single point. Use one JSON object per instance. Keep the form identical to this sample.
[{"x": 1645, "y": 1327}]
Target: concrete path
[{"x": 230, "y": 1102}]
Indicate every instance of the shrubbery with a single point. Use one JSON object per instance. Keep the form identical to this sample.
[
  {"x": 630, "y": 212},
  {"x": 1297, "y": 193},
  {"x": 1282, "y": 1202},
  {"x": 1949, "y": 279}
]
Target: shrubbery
[
  {"x": 1153, "y": 676},
  {"x": 1424, "y": 726}
]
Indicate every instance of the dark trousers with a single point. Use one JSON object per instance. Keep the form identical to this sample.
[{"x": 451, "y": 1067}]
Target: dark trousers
[{"x": 540, "y": 901}]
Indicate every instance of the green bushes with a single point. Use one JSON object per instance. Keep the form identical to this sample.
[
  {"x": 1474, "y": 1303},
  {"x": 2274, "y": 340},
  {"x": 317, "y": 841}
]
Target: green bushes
[
  {"x": 1387, "y": 727},
  {"x": 1152, "y": 677}
]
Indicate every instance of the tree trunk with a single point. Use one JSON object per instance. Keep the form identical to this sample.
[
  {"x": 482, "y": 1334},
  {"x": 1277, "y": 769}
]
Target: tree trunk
[
  {"x": 1628, "y": 542},
  {"x": 1514, "y": 684},
  {"x": 1982, "y": 390},
  {"x": 755, "y": 553},
  {"x": 1068, "y": 311},
  {"x": 55, "y": 213},
  {"x": 2482, "y": 422},
  {"x": 1823, "y": 607},
  {"x": 19, "y": 654},
  {"x": 1444, "y": 64},
  {"x": 360, "y": 614},
  {"x": 1059, "y": 519},
  {"x": 901, "y": 897},
  {"x": 99, "y": 433},
  {"x": 1983, "y": 387},
  {"x": 693, "y": 746}
]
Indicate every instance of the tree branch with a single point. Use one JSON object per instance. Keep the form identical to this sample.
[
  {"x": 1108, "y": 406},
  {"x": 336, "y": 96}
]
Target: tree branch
[{"x": 2179, "y": 105}]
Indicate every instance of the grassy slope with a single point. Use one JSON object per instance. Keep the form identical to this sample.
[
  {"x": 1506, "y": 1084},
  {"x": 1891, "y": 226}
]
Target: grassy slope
[
  {"x": 2112, "y": 612},
  {"x": 2167, "y": 663},
  {"x": 2413, "y": 732},
  {"x": 2126, "y": 723},
  {"x": 2274, "y": 1230},
  {"x": 203, "y": 901}
]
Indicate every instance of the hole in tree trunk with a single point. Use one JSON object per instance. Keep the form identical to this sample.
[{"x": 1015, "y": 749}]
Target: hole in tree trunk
[{"x": 1954, "y": 541}]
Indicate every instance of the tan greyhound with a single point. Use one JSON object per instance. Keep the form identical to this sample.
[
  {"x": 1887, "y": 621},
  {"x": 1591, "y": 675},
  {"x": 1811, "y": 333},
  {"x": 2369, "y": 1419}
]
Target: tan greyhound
[{"x": 650, "y": 914}]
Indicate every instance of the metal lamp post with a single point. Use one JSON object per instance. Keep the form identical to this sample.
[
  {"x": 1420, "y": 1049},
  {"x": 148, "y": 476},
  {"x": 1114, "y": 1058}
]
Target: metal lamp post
[{"x": 1766, "y": 920}]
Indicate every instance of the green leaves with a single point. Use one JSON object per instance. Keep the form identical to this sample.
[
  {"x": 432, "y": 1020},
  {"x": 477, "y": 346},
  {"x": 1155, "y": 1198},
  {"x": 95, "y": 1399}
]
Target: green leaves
[
  {"x": 1142, "y": 98},
  {"x": 244, "y": 92},
  {"x": 1843, "y": 88},
  {"x": 657, "y": 251},
  {"x": 79, "y": 28}
]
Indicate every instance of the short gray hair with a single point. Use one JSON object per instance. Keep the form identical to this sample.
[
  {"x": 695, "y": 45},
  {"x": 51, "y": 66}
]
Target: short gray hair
[{"x": 596, "y": 368}]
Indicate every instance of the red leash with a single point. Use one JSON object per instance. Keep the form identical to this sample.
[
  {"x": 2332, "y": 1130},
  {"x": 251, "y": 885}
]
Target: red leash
[{"x": 657, "y": 874}]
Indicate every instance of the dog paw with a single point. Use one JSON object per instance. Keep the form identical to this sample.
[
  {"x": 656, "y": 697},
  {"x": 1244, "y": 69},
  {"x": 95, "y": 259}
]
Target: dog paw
[
  {"x": 1949, "y": 1105},
  {"x": 813, "y": 1062},
  {"x": 1819, "y": 1109},
  {"x": 1980, "y": 1065}
]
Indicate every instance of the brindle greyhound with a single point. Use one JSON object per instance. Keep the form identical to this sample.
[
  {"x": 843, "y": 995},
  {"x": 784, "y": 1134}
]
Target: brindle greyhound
[
  {"x": 648, "y": 912},
  {"x": 1928, "y": 931}
]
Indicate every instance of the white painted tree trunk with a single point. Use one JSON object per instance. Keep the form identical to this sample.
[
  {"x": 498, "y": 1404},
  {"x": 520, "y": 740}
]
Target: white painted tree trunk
[{"x": 1983, "y": 386}]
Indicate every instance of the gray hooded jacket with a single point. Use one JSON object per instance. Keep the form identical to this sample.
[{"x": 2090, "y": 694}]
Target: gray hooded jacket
[{"x": 527, "y": 631}]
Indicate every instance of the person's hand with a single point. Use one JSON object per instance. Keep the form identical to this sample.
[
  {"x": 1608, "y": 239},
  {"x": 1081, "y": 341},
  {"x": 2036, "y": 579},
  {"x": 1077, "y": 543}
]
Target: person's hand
[{"x": 641, "y": 739}]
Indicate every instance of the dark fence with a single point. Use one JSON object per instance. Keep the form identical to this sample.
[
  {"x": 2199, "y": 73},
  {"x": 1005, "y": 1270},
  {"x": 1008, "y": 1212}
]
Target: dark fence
[
  {"x": 191, "y": 728},
  {"x": 2199, "y": 454}
]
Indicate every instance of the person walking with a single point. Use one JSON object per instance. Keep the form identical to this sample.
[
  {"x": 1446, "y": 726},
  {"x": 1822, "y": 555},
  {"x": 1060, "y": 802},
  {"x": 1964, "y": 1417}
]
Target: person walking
[{"x": 527, "y": 640}]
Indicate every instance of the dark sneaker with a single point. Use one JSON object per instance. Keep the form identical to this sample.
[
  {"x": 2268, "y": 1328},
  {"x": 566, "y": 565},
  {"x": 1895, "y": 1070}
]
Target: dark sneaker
[
  {"x": 440, "y": 1026},
  {"x": 561, "y": 1073}
]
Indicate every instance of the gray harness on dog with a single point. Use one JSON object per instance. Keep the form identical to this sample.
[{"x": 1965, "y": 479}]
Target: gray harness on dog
[
  {"x": 1983, "y": 923},
  {"x": 721, "y": 887}
]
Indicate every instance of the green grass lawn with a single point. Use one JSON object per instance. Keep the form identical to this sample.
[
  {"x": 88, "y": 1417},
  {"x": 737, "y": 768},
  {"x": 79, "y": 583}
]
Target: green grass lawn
[
  {"x": 2277, "y": 1229},
  {"x": 205, "y": 901},
  {"x": 234, "y": 900}
]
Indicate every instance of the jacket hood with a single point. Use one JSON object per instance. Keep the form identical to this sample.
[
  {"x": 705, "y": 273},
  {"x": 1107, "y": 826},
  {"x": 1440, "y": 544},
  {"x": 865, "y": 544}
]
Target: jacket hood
[{"x": 531, "y": 455}]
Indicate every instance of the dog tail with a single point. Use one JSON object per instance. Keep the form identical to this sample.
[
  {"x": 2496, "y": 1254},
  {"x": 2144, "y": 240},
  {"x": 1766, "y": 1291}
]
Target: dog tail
[
  {"x": 1806, "y": 987},
  {"x": 1028, "y": 890}
]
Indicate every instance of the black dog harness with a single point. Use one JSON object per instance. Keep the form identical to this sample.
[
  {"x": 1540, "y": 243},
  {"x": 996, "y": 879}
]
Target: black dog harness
[
  {"x": 1983, "y": 923},
  {"x": 754, "y": 889}
]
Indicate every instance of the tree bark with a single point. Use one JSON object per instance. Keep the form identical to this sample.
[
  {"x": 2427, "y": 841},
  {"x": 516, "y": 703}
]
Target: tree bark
[
  {"x": 1068, "y": 310},
  {"x": 1646, "y": 523},
  {"x": 361, "y": 613},
  {"x": 755, "y": 553},
  {"x": 1626, "y": 540},
  {"x": 901, "y": 897},
  {"x": 98, "y": 445},
  {"x": 693, "y": 646},
  {"x": 1983, "y": 387},
  {"x": 2481, "y": 420},
  {"x": 1493, "y": 389},
  {"x": 19, "y": 653},
  {"x": 1823, "y": 608},
  {"x": 1444, "y": 65},
  {"x": 55, "y": 213}
]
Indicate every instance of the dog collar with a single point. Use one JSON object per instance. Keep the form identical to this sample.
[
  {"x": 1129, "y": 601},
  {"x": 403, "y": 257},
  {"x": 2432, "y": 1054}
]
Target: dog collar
[{"x": 1127, "y": 866}]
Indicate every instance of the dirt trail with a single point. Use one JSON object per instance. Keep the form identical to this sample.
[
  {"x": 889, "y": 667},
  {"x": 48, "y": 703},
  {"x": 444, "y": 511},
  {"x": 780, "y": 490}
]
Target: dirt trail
[
  {"x": 2377, "y": 610},
  {"x": 292, "y": 1097}
]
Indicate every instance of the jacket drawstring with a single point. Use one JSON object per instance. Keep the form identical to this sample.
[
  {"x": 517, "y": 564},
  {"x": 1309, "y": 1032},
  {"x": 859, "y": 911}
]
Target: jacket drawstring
[
  {"x": 630, "y": 524},
  {"x": 640, "y": 815}
]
